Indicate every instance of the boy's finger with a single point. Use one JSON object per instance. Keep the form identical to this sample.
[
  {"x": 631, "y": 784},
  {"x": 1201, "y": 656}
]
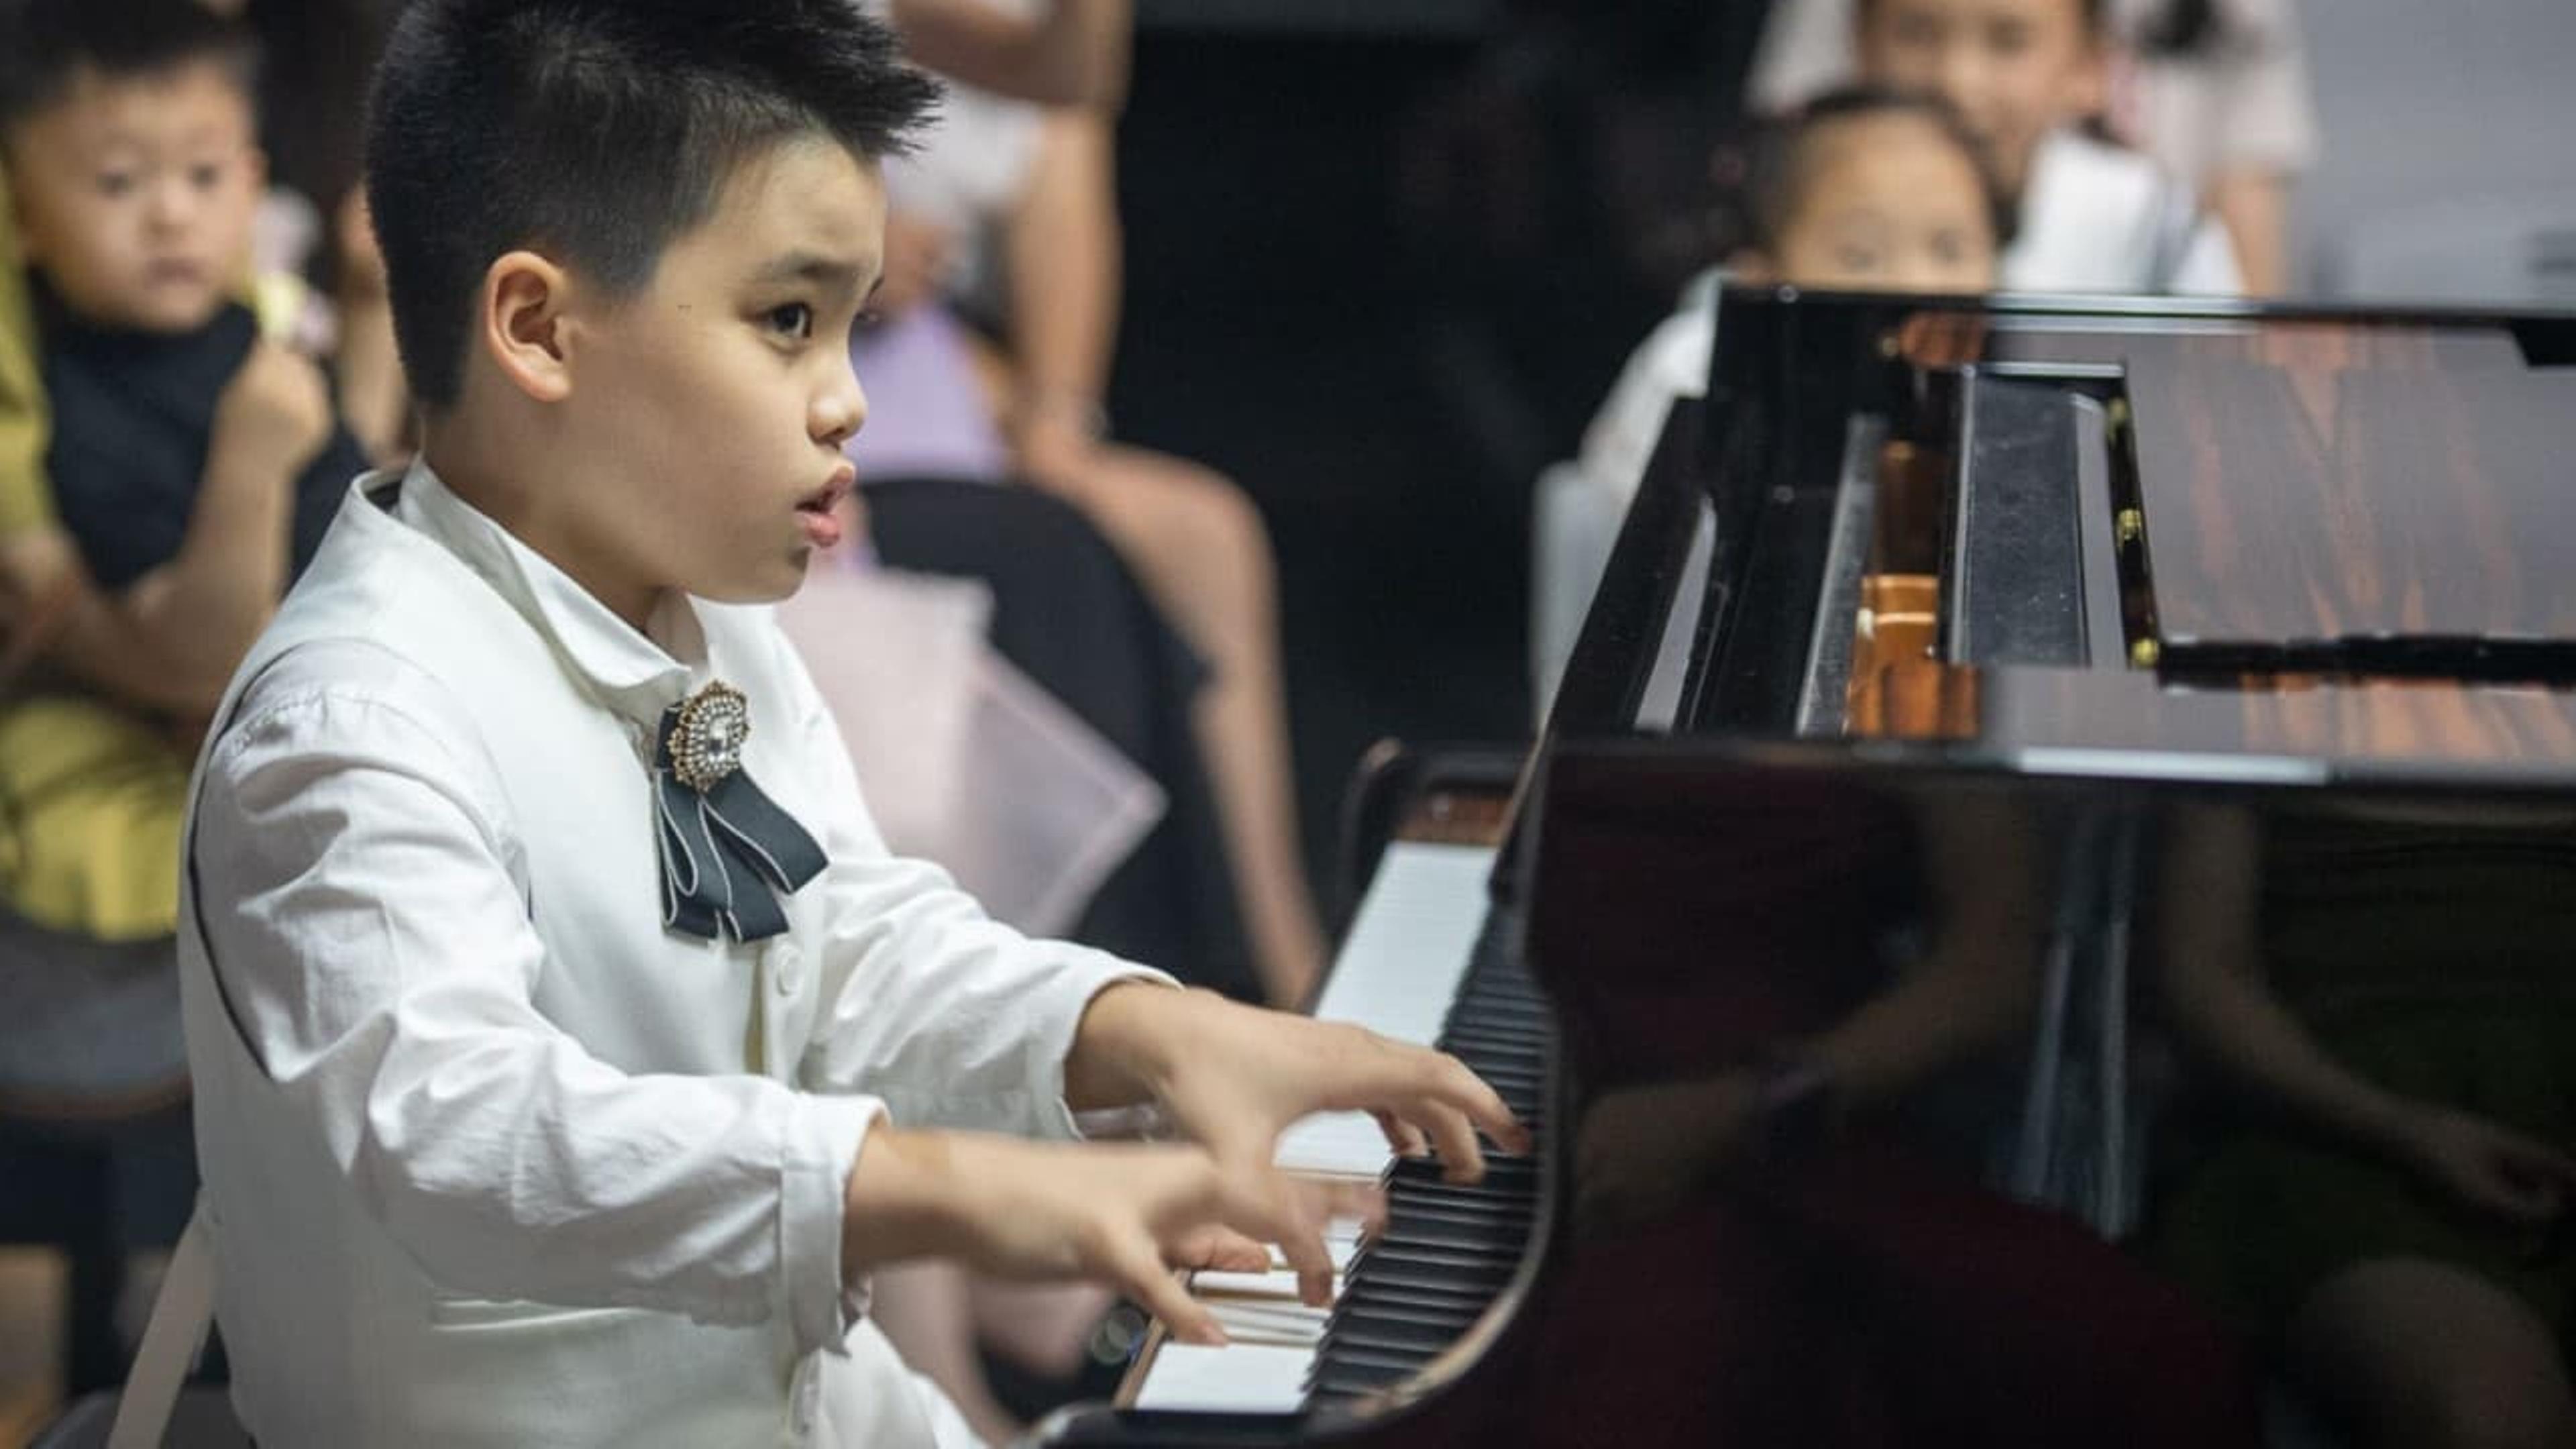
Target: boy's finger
[
  {"x": 1445, "y": 1080},
  {"x": 1330, "y": 1198},
  {"x": 1462, "y": 1159},
  {"x": 1267, "y": 1205},
  {"x": 1474, "y": 1096},
  {"x": 1402, "y": 1137},
  {"x": 1214, "y": 1245},
  {"x": 1136, "y": 1265}
]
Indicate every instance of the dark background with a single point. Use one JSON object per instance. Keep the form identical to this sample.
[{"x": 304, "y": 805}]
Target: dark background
[{"x": 1370, "y": 276}]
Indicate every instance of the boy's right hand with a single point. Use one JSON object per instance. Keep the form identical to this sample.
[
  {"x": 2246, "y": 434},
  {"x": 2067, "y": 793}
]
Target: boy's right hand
[
  {"x": 1120, "y": 1214},
  {"x": 274, "y": 416}
]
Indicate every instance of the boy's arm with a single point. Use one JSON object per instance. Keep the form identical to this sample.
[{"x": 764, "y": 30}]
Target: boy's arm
[
  {"x": 376, "y": 954},
  {"x": 958, "y": 1021}
]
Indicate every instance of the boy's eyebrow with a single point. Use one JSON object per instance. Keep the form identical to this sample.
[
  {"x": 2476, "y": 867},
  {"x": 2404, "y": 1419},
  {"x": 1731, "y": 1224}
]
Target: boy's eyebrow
[{"x": 805, "y": 266}]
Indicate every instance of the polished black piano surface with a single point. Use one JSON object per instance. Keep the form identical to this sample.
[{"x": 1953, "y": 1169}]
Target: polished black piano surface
[{"x": 1988, "y": 705}]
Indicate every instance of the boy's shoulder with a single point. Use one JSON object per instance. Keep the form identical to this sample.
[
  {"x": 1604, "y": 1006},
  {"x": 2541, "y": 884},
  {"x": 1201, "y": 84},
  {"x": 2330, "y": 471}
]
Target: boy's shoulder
[{"x": 381, "y": 606}]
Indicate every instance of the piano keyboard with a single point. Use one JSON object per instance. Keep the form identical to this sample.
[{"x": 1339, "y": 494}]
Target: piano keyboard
[{"x": 1424, "y": 963}]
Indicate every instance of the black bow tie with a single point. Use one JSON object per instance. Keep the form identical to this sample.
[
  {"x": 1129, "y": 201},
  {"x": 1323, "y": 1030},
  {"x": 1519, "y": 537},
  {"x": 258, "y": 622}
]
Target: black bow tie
[{"x": 728, "y": 851}]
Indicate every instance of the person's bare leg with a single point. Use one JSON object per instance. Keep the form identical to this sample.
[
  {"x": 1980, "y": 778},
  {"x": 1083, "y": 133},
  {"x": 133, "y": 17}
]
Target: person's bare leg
[
  {"x": 1043, "y": 1327},
  {"x": 1199, "y": 546},
  {"x": 2417, "y": 1353},
  {"x": 925, "y": 1311}
]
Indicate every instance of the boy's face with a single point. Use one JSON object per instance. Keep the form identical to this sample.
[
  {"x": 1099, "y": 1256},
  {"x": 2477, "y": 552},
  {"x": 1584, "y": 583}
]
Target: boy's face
[
  {"x": 1886, "y": 202},
  {"x": 708, "y": 410},
  {"x": 2017, "y": 69},
  {"x": 136, "y": 195}
]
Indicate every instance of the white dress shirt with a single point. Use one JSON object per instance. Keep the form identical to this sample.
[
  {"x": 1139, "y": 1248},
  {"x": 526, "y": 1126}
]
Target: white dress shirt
[
  {"x": 491, "y": 1157},
  {"x": 2102, "y": 218}
]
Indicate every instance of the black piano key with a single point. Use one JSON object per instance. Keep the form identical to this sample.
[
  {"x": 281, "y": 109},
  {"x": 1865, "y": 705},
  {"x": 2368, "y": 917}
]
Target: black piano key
[
  {"x": 1450, "y": 1237},
  {"x": 1395, "y": 1340},
  {"x": 1345, "y": 1381},
  {"x": 1446, "y": 1322},
  {"x": 1466, "y": 1258},
  {"x": 1446, "y": 1250},
  {"x": 1469, "y": 1287},
  {"x": 1368, "y": 1356},
  {"x": 1510, "y": 1231},
  {"x": 1426, "y": 1291},
  {"x": 1456, "y": 1313},
  {"x": 1429, "y": 1170}
]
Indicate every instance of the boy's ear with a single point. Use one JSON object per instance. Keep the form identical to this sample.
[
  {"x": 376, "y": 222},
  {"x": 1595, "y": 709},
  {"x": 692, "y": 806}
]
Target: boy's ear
[{"x": 520, "y": 324}]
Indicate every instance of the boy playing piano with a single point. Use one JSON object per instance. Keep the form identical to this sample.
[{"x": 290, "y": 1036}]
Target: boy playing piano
[{"x": 567, "y": 1046}]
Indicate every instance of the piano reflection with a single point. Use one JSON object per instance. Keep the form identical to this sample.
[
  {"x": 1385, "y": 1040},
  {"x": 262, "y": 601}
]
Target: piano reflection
[{"x": 1826, "y": 938}]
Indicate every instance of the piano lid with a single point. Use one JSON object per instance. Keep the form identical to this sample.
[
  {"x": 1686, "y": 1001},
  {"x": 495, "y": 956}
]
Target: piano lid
[
  {"x": 2362, "y": 519},
  {"x": 2319, "y": 541}
]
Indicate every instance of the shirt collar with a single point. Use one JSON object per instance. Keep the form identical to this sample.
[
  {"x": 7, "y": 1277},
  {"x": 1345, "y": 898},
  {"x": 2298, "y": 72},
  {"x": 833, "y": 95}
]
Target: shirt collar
[{"x": 638, "y": 675}]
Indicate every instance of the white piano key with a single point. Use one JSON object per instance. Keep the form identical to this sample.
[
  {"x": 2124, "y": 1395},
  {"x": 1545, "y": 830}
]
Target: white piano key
[
  {"x": 1338, "y": 1249},
  {"x": 1243, "y": 1378},
  {"x": 1396, "y": 975},
  {"x": 1226, "y": 1282},
  {"x": 1250, "y": 1321},
  {"x": 1408, "y": 946}
]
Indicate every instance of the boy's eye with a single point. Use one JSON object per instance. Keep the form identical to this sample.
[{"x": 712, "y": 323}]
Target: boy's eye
[
  {"x": 115, "y": 183},
  {"x": 796, "y": 319},
  {"x": 205, "y": 176},
  {"x": 2009, "y": 37}
]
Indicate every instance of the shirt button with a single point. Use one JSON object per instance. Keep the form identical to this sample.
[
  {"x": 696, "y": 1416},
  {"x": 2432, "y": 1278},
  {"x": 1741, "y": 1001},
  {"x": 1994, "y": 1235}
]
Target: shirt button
[{"x": 786, "y": 971}]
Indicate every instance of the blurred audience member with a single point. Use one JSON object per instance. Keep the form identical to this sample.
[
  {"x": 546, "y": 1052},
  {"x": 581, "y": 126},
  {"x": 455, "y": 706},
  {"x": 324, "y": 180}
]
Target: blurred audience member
[
  {"x": 1043, "y": 181},
  {"x": 2215, "y": 91},
  {"x": 193, "y": 464}
]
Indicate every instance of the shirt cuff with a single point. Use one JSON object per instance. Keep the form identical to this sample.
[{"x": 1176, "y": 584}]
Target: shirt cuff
[
  {"x": 1086, "y": 974},
  {"x": 823, "y": 1140}
]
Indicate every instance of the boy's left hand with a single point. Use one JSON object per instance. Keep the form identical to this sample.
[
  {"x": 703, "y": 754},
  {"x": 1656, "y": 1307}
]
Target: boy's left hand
[{"x": 1233, "y": 1077}]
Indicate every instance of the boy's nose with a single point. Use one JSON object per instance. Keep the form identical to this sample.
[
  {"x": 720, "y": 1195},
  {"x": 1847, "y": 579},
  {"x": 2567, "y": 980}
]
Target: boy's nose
[
  {"x": 1964, "y": 74},
  {"x": 841, "y": 409},
  {"x": 172, "y": 203}
]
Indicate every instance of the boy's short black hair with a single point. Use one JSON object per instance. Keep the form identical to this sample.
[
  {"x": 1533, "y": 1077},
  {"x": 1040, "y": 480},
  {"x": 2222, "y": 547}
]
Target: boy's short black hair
[
  {"x": 599, "y": 131},
  {"x": 46, "y": 44},
  {"x": 1772, "y": 173}
]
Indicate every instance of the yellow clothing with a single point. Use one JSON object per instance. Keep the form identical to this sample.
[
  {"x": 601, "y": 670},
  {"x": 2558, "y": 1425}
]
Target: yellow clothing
[
  {"x": 90, "y": 795},
  {"x": 25, "y": 501}
]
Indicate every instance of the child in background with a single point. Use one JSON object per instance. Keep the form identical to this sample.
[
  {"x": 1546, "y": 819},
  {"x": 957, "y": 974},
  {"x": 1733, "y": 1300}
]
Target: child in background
[
  {"x": 2216, "y": 91},
  {"x": 2027, "y": 75},
  {"x": 568, "y": 1048},
  {"x": 193, "y": 466},
  {"x": 1862, "y": 190}
]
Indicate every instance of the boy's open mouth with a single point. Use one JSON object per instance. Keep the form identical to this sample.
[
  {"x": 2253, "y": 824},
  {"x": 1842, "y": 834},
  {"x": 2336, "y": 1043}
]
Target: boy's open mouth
[{"x": 827, "y": 497}]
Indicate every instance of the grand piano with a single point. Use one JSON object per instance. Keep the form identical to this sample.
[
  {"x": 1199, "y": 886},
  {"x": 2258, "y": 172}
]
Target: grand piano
[{"x": 1933, "y": 640}]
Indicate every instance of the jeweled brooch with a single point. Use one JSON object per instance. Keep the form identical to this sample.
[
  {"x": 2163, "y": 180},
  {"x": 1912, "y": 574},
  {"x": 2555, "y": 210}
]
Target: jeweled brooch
[{"x": 708, "y": 736}]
